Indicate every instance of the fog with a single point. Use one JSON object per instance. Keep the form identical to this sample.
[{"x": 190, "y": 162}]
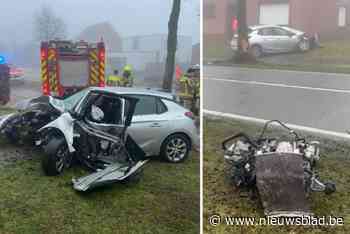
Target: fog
[{"x": 128, "y": 17}]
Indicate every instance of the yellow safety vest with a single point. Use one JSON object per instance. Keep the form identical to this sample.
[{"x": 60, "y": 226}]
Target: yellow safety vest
[{"x": 114, "y": 78}]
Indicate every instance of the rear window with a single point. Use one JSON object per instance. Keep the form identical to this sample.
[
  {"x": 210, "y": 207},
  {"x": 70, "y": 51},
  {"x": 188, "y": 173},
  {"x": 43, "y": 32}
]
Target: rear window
[
  {"x": 74, "y": 73},
  {"x": 147, "y": 105},
  {"x": 161, "y": 107}
]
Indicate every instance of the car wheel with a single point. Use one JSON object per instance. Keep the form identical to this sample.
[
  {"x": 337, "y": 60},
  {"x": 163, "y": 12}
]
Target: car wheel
[
  {"x": 57, "y": 157},
  {"x": 176, "y": 148},
  {"x": 304, "y": 45},
  {"x": 256, "y": 51}
]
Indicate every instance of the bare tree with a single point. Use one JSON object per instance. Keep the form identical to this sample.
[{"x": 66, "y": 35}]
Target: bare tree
[
  {"x": 48, "y": 26},
  {"x": 172, "y": 45}
]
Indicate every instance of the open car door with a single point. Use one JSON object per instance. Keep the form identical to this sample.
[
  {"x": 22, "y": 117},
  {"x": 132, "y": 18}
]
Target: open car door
[{"x": 106, "y": 116}]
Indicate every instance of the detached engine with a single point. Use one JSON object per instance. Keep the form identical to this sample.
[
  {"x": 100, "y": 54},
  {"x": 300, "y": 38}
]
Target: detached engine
[{"x": 282, "y": 171}]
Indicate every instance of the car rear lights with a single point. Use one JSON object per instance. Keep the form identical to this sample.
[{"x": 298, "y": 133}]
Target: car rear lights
[{"x": 189, "y": 114}]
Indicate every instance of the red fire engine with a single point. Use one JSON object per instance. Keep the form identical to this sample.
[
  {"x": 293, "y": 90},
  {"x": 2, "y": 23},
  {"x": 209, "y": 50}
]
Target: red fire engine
[{"x": 67, "y": 67}]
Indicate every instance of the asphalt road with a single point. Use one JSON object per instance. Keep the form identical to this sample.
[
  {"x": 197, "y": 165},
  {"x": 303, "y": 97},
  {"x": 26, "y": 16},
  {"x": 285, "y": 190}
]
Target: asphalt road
[
  {"x": 316, "y": 100},
  {"x": 23, "y": 89}
]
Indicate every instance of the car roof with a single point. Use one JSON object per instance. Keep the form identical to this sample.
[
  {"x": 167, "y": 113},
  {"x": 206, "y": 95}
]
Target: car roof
[
  {"x": 136, "y": 91},
  {"x": 257, "y": 27}
]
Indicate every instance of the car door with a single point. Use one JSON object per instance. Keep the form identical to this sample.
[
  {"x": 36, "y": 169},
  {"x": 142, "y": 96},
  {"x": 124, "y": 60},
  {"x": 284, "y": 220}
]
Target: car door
[
  {"x": 150, "y": 123},
  {"x": 283, "y": 39},
  {"x": 266, "y": 40},
  {"x": 106, "y": 112}
]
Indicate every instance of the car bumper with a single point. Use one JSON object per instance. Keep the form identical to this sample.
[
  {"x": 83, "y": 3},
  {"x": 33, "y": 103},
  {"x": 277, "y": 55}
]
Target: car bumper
[
  {"x": 234, "y": 47},
  {"x": 196, "y": 142},
  {"x": 3, "y": 119}
]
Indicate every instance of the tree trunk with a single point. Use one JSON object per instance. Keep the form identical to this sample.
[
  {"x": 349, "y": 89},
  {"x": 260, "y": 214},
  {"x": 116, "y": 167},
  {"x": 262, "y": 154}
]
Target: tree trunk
[
  {"x": 172, "y": 45},
  {"x": 243, "y": 55}
]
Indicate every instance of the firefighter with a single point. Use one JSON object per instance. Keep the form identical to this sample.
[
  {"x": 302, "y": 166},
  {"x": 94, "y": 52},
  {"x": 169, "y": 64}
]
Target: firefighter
[
  {"x": 190, "y": 87},
  {"x": 128, "y": 76},
  {"x": 114, "y": 80}
]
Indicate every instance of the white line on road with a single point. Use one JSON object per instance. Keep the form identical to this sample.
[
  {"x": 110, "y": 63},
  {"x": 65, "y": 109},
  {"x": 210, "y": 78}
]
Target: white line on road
[
  {"x": 293, "y": 126},
  {"x": 249, "y": 69},
  {"x": 280, "y": 85}
]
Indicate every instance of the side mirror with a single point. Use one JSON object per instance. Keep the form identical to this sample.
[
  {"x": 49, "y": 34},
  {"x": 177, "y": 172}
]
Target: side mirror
[{"x": 96, "y": 113}]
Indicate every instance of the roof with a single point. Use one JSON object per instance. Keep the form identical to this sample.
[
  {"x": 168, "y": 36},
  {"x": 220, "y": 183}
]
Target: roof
[
  {"x": 139, "y": 91},
  {"x": 105, "y": 31}
]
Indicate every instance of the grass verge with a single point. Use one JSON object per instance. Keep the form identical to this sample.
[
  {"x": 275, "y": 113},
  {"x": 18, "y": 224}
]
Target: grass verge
[
  {"x": 166, "y": 200},
  {"x": 220, "y": 197}
]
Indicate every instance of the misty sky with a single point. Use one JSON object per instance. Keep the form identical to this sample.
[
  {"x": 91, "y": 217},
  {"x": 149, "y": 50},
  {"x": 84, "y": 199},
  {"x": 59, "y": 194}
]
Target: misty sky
[{"x": 128, "y": 17}]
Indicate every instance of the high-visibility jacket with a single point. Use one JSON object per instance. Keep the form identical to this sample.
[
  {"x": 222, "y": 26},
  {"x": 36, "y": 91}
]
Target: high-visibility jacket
[
  {"x": 114, "y": 80},
  {"x": 189, "y": 87},
  {"x": 129, "y": 80}
]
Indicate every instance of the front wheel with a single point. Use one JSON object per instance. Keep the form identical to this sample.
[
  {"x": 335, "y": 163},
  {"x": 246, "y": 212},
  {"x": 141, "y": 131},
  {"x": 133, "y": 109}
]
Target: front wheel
[
  {"x": 256, "y": 51},
  {"x": 304, "y": 45},
  {"x": 176, "y": 148},
  {"x": 57, "y": 156}
]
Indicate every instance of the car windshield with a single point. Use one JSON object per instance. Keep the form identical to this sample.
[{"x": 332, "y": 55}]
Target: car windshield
[{"x": 69, "y": 102}]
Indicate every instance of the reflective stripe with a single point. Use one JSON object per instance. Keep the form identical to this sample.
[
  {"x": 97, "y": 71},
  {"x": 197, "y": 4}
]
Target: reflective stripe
[
  {"x": 93, "y": 55},
  {"x": 114, "y": 78}
]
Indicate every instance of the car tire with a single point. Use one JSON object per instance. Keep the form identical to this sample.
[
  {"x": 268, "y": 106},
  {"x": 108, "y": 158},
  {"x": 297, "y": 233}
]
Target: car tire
[
  {"x": 176, "y": 148},
  {"x": 330, "y": 188},
  {"x": 256, "y": 51},
  {"x": 57, "y": 157},
  {"x": 304, "y": 45}
]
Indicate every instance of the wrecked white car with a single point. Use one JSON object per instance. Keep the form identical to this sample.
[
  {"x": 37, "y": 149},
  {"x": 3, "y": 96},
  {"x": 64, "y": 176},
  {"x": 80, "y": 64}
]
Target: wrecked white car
[
  {"x": 282, "y": 172},
  {"x": 89, "y": 127}
]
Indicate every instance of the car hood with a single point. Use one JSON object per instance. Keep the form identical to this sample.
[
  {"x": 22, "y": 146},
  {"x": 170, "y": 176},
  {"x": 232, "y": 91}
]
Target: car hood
[{"x": 42, "y": 100}]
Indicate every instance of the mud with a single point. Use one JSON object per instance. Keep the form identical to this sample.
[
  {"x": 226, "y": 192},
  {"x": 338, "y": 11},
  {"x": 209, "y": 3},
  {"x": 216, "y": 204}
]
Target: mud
[{"x": 10, "y": 154}]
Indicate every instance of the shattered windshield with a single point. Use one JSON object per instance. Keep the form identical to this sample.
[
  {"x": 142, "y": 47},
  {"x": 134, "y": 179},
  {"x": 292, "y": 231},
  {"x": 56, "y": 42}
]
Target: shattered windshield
[{"x": 70, "y": 102}]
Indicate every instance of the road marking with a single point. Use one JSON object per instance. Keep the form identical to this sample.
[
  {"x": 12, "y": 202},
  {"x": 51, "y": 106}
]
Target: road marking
[
  {"x": 277, "y": 70},
  {"x": 293, "y": 126},
  {"x": 279, "y": 85}
]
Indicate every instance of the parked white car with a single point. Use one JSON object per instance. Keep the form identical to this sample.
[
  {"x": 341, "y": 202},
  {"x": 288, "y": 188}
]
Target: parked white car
[{"x": 269, "y": 39}]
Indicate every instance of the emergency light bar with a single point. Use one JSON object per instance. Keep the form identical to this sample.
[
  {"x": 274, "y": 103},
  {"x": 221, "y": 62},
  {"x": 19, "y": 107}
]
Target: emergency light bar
[{"x": 2, "y": 59}]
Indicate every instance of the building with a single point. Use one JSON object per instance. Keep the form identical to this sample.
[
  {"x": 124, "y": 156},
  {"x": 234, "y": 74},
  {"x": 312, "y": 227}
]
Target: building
[
  {"x": 104, "y": 31},
  {"x": 217, "y": 21},
  {"x": 196, "y": 54},
  {"x": 157, "y": 44},
  {"x": 142, "y": 50},
  {"x": 147, "y": 55},
  {"x": 329, "y": 18}
]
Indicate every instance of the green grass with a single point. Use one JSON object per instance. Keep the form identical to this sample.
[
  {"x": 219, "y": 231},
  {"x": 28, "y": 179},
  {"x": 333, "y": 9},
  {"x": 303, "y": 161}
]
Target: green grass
[
  {"x": 332, "y": 57},
  {"x": 220, "y": 197},
  {"x": 166, "y": 200},
  {"x": 5, "y": 110},
  {"x": 216, "y": 51}
]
